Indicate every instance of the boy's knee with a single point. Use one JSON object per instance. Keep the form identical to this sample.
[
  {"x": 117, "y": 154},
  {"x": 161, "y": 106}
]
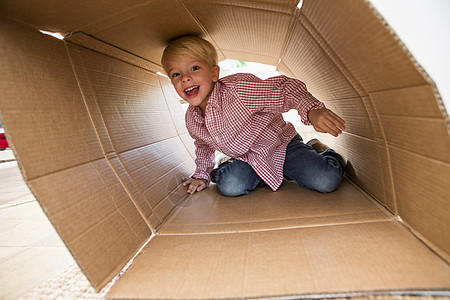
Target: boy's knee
[
  {"x": 328, "y": 183},
  {"x": 231, "y": 187},
  {"x": 327, "y": 186},
  {"x": 235, "y": 179}
]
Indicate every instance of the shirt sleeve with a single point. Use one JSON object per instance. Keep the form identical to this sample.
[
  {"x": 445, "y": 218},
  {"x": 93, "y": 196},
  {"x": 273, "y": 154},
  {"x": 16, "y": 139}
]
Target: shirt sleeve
[
  {"x": 204, "y": 160},
  {"x": 205, "y": 154},
  {"x": 277, "y": 94}
]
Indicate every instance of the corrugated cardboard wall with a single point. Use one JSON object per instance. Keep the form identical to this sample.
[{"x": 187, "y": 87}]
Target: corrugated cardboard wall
[
  {"x": 61, "y": 156},
  {"x": 150, "y": 155},
  {"x": 397, "y": 140},
  {"x": 412, "y": 141},
  {"x": 99, "y": 166}
]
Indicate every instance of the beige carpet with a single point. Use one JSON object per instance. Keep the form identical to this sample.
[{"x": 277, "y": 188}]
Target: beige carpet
[{"x": 69, "y": 284}]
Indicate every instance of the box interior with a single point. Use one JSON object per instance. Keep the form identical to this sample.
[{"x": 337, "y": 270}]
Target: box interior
[{"x": 100, "y": 138}]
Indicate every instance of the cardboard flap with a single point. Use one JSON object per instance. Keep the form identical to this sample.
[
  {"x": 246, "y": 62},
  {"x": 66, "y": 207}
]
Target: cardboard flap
[
  {"x": 323, "y": 260},
  {"x": 60, "y": 155}
]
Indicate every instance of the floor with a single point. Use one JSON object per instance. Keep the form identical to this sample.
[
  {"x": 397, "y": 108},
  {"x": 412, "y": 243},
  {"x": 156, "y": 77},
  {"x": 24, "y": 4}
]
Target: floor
[{"x": 31, "y": 252}]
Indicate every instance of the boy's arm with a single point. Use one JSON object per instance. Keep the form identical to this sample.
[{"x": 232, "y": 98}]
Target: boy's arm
[
  {"x": 204, "y": 161},
  {"x": 281, "y": 94}
]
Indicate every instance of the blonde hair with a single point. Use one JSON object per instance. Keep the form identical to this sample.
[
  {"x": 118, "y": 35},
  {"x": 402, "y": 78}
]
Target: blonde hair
[{"x": 190, "y": 45}]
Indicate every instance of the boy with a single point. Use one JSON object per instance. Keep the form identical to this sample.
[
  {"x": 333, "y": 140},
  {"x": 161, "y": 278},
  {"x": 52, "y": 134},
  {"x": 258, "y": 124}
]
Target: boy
[{"x": 241, "y": 116}]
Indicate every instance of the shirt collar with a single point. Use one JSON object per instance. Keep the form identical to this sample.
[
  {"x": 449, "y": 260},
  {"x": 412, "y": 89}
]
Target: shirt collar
[
  {"x": 212, "y": 103},
  {"x": 196, "y": 113},
  {"x": 214, "y": 98}
]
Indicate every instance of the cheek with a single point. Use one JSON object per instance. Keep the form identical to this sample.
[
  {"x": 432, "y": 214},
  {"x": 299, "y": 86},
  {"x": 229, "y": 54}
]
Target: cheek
[
  {"x": 181, "y": 93},
  {"x": 177, "y": 87}
]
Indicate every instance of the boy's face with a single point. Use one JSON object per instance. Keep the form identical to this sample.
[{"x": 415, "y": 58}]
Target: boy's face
[{"x": 193, "y": 79}]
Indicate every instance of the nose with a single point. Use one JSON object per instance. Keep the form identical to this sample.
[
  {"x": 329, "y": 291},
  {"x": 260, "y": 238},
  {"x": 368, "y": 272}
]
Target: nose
[{"x": 186, "y": 78}]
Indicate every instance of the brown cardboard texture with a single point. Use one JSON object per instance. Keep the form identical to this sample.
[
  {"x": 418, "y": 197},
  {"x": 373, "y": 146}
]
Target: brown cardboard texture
[{"x": 100, "y": 139}]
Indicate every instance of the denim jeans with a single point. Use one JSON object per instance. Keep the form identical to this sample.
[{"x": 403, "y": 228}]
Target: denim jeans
[{"x": 319, "y": 172}]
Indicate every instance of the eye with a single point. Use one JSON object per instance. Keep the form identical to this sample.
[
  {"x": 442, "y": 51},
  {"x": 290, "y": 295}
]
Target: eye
[
  {"x": 195, "y": 68},
  {"x": 175, "y": 75}
]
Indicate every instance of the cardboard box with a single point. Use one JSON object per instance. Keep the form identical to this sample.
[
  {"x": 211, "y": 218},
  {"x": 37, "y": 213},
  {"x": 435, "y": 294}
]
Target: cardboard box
[{"x": 108, "y": 175}]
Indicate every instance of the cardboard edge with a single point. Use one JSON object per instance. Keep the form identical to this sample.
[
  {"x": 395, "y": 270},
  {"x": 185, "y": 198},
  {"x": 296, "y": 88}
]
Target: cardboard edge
[
  {"x": 359, "y": 90},
  {"x": 104, "y": 283},
  {"x": 175, "y": 210},
  {"x": 303, "y": 20},
  {"x": 99, "y": 124},
  {"x": 252, "y": 230},
  {"x": 383, "y": 214},
  {"x": 358, "y": 294},
  {"x": 44, "y": 210},
  {"x": 96, "y": 287},
  {"x": 27, "y": 180},
  {"x": 391, "y": 294},
  {"x": 387, "y": 178},
  {"x": 109, "y": 284},
  {"x": 86, "y": 41},
  {"x": 372, "y": 199},
  {"x": 428, "y": 243},
  {"x": 416, "y": 64}
]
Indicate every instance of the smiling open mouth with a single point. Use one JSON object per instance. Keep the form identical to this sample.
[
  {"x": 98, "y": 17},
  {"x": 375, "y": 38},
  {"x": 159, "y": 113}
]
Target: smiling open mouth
[{"x": 192, "y": 91}]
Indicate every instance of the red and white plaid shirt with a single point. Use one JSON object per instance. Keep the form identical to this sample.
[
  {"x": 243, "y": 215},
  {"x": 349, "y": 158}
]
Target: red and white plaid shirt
[{"x": 243, "y": 119}]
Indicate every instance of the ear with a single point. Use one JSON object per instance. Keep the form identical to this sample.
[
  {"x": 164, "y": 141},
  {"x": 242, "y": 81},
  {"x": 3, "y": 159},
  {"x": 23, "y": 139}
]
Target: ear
[{"x": 215, "y": 73}]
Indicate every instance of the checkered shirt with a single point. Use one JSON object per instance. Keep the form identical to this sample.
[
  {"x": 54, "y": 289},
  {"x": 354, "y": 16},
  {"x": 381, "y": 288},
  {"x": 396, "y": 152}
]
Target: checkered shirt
[{"x": 243, "y": 119}]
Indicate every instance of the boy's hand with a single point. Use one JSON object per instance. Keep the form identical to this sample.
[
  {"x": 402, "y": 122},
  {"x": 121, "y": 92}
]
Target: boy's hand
[
  {"x": 195, "y": 185},
  {"x": 326, "y": 121}
]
